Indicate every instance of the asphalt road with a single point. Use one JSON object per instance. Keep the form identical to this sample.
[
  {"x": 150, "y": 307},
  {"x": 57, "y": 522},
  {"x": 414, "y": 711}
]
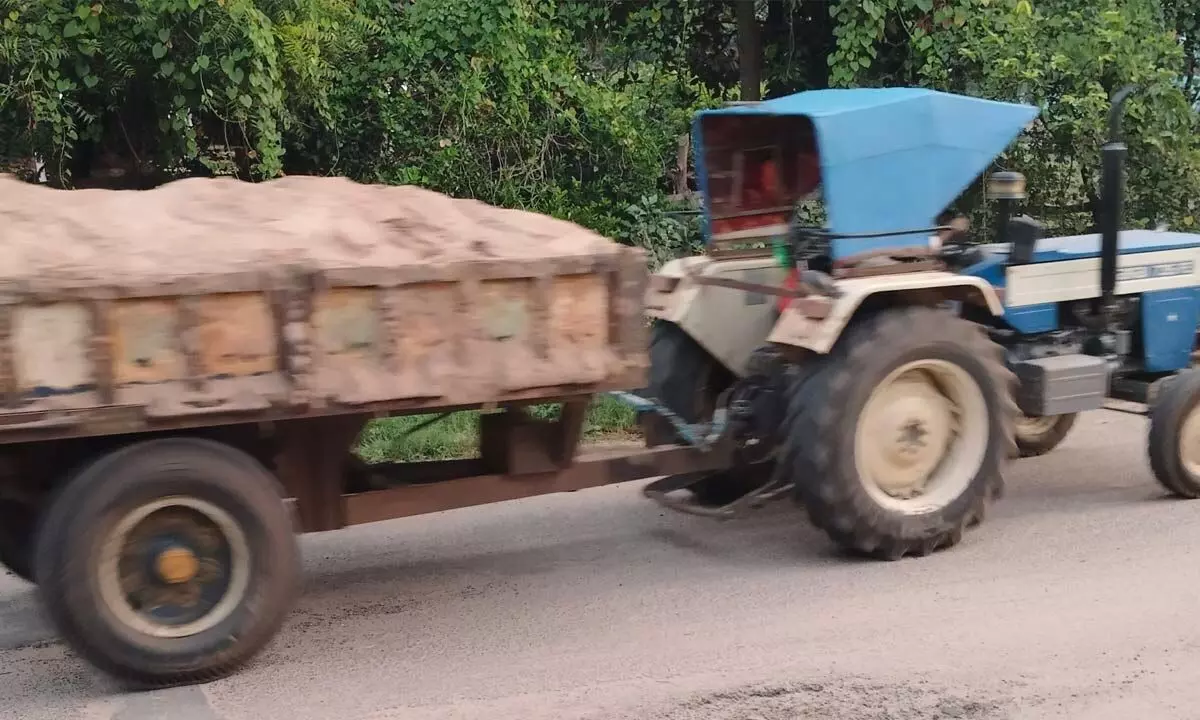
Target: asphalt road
[{"x": 1078, "y": 598}]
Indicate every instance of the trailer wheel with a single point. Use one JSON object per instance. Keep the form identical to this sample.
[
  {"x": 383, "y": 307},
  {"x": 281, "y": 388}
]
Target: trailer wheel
[
  {"x": 17, "y": 525},
  {"x": 168, "y": 562},
  {"x": 1039, "y": 435},
  {"x": 1174, "y": 439},
  {"x": 688, "y": 380},
  {"x": 898, "y": 442}
]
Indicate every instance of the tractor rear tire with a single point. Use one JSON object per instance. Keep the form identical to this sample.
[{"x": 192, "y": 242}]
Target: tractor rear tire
[
  {"x": 1173, "y": 442},
  {"x": 1039, "y": 435},
  {"x": 937, "y": 396},
  {"x": 688, "y": 380}
]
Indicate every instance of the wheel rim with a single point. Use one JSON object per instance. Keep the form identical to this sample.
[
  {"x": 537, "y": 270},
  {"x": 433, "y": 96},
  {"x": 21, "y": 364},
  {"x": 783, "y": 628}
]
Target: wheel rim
[
  {"x": 922, "y": 437},
  {"x": 1035, "y": 426},
  {"x": 174, "y": 568},
  {"x": 1189, "y": 443}
]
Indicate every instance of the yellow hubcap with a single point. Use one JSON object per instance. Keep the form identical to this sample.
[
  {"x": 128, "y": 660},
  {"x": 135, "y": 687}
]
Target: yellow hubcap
[{"x": 177, "y": 565}]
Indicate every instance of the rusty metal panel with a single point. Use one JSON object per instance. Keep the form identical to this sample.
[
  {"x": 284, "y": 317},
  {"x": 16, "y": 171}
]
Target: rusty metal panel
[
  {"x": 236, "y": 333},
  {"x": 146, "y": 343},
  {"x": 52, "y": 348},
  {"x": 425, "y": 335},
  {"x": 347, "y": 324},
  {"x": 579, "y": 306}
]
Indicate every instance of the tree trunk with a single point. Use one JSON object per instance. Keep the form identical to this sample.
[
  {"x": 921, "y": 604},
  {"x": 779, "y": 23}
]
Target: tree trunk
[{"x": 749, "y": 50}]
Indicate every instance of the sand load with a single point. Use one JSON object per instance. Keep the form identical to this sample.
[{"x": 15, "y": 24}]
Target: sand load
[{"x": 220, "y": 297}]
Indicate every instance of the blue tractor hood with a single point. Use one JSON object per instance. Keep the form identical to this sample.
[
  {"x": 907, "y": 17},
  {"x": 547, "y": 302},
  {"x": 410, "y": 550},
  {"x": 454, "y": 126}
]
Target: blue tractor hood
[{"x": 890, "y": 158}]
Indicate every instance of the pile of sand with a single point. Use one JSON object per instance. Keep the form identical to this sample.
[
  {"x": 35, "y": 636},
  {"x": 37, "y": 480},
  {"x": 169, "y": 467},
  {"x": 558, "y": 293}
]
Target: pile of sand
[{"x": 208, "y": 226}]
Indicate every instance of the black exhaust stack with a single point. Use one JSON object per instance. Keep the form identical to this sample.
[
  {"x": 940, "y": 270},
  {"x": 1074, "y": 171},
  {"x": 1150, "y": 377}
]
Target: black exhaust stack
[{"x": 1112, "y": 199}]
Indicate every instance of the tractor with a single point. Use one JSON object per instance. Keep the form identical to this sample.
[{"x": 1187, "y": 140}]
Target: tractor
[{"x": 880, "y": 369}]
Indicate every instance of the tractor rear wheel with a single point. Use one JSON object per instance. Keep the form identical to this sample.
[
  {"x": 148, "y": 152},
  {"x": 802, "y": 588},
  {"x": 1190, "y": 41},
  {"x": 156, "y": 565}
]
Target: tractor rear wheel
[
  {"x": 1174, "y": 439},
  {"x": 688, "y": 380},
  {"x": 898, "y": 442}
]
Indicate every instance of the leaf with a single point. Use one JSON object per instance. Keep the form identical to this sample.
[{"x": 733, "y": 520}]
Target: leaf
[
  {"x": 164, "y": 35},
  {"x": 159, "y": 51},
  {"x": 202, "y": 62},
  {"x": 246, "y": 100},
  {"x": 91, "y": 81},
  {"x": 71, "y": 29},
  {"x": 167, "y": 68}
]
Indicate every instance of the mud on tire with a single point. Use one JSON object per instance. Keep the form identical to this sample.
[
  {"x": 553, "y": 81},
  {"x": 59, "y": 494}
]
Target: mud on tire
[{"x": 824, "y": 445}]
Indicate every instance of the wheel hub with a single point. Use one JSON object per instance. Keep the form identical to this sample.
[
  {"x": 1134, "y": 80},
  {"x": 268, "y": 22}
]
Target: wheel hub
[
  {"x": 914, "y": 427},
  {"x": 1033, "y": 426},
  {"x": 176, "y": 565},
  {"x": 922, "y": 436}
]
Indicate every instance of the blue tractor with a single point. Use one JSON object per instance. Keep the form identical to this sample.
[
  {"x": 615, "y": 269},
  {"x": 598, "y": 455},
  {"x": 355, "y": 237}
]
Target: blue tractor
[{"x": 880, "y": 369}]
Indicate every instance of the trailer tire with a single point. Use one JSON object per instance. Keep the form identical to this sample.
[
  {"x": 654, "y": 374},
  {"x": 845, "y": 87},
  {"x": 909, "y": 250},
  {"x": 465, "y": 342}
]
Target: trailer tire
[
  {"x": 1039, "y": 435},
  {"x": 888, "y": 361},
  {"x": 1173, "y": 442},
  {"x": 218, "y": 568},
  {"x": 18, "y": 526}
]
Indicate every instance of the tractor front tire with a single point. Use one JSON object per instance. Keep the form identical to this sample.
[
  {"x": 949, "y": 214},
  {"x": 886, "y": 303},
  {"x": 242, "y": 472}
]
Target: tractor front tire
[
  {"x": 1174, "y": 439},
  {"x": 1039, "y": 435},
  {"x": 898, "y": 442}
]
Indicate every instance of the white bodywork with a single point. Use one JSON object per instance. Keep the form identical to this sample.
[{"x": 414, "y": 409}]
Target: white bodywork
[
  {"x": 730, "y": 324},
  {"x": 928, "y": 288},
  {"x": 1067, "y": 280}
]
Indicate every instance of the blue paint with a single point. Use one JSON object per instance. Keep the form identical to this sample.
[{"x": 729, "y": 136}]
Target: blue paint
[
  {"x": 1031, "y": 319},
  {"x": 891, "y": 158},
  {"x": 1169, "y": 319}
]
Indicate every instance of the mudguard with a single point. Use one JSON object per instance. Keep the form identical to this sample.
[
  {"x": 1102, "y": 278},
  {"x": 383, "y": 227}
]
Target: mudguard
[{"x": 798, "y": 326}]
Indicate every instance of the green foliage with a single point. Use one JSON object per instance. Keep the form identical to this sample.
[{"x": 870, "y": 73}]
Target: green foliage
[
  {"x": 490, "y": 99},
  {"x": 160, "y": 88},
  {"x": 457, "y": 436},
  {"x": 1067, "y": 57}
]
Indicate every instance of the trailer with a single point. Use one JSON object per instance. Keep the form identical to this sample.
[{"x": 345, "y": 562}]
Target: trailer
[{"x": 184, "y": 371}]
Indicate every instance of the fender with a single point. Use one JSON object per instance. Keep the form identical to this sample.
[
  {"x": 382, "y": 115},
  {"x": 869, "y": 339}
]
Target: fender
[
  {"x": 799, "y": 326},
  {"x": 729, "y": 323}
]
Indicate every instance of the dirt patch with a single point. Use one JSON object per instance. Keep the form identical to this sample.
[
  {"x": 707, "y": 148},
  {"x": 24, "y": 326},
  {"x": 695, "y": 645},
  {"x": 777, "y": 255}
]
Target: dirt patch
[{"x": 836, "y": 700}]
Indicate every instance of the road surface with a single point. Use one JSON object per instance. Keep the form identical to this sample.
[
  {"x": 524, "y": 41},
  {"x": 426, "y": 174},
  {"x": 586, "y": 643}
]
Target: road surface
[{"x": 1078, "y": 598}]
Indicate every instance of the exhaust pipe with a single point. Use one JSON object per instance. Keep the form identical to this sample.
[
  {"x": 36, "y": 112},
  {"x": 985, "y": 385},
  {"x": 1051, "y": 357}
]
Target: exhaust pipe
[{"x": 1112, "y": 199}]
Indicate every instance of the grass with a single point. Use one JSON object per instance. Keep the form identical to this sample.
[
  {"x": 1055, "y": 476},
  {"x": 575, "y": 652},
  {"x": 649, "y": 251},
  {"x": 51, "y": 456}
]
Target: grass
[{"x": 457, "y": 436}]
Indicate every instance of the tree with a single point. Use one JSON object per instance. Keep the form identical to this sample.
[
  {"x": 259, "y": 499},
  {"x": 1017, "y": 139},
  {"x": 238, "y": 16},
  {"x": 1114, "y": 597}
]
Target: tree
[{"x": 1067, "y": 57}]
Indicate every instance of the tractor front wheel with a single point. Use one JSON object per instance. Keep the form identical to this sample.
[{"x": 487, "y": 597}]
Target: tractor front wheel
[
  {"x": 1174, "y": 439},
  {"x": 1039, "y": 435},
  {"x": 898, "y": 442}
]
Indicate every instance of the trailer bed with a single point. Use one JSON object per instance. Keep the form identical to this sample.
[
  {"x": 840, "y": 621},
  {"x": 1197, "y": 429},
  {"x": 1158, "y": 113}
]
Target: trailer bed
[{"x": 211, "y": 301}]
